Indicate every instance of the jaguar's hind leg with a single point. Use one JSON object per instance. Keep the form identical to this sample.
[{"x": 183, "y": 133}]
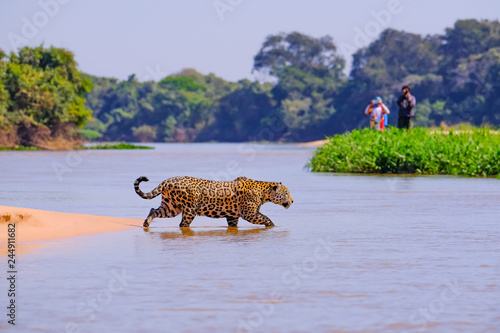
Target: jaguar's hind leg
[
  {"x": 161, "y": 211},
  {"x": 187, "y": 218},
  {"x": 232, "y": 221},
  {"x": 151, "y": 216}
]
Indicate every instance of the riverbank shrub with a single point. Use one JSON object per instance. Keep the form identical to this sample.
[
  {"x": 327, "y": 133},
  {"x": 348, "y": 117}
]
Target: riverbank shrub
[
  {"x": 19, "y": 148},
  {"x": 474, "y": 152}
]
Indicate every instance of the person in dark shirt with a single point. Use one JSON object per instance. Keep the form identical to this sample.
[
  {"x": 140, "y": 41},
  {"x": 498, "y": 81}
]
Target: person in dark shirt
[{"x": 406, "y": 113}]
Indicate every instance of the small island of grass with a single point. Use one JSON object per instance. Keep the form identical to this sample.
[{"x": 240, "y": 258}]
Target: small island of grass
[
  {"x": 19, "y": 148},
  {"x": 474, "y": 152},
  {"x": 119, "y": 145}
]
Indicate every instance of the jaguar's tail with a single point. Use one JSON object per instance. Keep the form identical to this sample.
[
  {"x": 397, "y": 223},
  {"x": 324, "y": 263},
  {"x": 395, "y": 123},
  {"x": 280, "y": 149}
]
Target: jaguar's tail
[{"x": 154, "y": 193}]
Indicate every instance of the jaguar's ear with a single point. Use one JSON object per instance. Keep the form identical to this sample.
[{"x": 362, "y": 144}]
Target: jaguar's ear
[{"x": 275, "y": 187}]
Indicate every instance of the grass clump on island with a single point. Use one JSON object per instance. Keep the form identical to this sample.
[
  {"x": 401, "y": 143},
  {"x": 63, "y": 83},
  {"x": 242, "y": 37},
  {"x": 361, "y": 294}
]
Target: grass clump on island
[
  {"x": 19, "y": 148},
  {"x": 119, "y": 145},
  {"x": 474, "y": 152}
]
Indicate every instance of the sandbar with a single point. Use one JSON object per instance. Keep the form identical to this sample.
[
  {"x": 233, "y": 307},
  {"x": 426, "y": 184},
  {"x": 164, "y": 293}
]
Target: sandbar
[{"x": 33, "y": 225}]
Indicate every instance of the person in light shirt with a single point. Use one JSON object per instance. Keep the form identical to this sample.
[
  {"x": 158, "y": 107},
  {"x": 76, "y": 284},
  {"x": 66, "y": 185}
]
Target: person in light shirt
[{"x": 377, "y": 111}]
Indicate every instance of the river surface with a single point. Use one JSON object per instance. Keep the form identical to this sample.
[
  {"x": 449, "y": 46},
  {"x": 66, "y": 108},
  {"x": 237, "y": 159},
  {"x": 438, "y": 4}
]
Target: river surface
[{"x": 352, "y": 254}]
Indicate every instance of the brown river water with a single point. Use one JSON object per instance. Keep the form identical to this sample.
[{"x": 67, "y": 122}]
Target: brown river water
[{"x": 352, "y": 254}]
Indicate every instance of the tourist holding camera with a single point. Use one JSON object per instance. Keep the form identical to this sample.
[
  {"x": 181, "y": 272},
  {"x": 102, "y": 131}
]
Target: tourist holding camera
[
  {"x": 378, "y": 112},
  {"x": 406, "y": 113}
]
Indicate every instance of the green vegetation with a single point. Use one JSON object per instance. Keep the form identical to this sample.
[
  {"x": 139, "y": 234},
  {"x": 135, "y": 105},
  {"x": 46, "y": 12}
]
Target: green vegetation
[
  {"x": 473, "y": 152},
  {"x": 42, "y": 96},
  {"x": 19, "y": 148},
  {"x": 89, "y": 134},
  {"x": 119, "y": 145},
  {"x": 177, "y": 108}
]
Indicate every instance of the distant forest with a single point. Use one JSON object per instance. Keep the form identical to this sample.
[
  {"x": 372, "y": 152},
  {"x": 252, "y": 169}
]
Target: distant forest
[{"x": 455, "y": 78}]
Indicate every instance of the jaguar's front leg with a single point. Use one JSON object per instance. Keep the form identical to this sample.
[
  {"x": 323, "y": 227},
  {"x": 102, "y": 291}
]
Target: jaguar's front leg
[
  {"x": 259, "y": 218},
  {"x": 251, "y": 214}
]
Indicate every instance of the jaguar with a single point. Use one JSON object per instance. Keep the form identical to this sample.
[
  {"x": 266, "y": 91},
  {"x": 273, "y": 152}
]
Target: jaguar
[{"x": 191, "y": 196}]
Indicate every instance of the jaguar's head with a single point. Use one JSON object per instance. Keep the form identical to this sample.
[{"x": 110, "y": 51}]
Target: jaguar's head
[{"x": 281, "y": 196}]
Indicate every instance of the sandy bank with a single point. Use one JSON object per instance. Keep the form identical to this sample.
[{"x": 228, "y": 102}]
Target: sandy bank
[
  {"x": 33, "y": 225},
  {"x": 313, "y": 143}
]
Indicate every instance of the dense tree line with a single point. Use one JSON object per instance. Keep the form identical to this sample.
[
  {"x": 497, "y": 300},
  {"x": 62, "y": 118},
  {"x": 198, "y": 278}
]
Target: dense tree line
[
  {"x": 42, "y": 96},
  {"x": 455, "y": 77},
  {"x": 189, "y": 106}
]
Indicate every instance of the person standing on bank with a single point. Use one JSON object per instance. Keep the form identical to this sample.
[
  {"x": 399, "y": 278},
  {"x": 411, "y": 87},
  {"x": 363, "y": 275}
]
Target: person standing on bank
[
  {"x": 406, "y": 113},
  {"x": 377, "y": 111}
]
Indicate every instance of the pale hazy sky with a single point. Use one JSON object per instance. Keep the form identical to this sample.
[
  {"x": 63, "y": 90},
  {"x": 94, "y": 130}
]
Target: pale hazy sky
[{"x": 154, "y": 38}]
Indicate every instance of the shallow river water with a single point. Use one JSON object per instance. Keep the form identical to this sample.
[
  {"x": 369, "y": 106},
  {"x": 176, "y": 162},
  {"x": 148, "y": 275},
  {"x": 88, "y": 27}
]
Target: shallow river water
[{"x": 352, "y": 254}]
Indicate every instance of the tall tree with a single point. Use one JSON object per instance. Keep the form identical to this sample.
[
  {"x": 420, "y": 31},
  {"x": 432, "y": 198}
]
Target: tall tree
[
  {"x": 469, "y": 37},
  {"x": 301, "y": 51},
  {"x": 309, "y": 72}
]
